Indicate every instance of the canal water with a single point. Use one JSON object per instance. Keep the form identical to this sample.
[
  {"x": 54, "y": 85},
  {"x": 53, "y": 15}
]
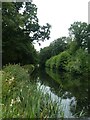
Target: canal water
[{"x": 70, "y": 91}]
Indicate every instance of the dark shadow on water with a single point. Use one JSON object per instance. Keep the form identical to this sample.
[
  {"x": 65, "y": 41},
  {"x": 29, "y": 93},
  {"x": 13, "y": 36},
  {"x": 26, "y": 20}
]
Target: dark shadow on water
[{"x": 66, "y": 86}]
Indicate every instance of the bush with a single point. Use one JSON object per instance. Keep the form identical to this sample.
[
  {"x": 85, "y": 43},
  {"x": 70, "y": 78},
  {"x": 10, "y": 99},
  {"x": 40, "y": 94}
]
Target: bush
[
  {"x": 74, "y": 66},
  {"x": 47, "y": 64},
  {"x": 53, "y": 62},
  {"x": 82, "y": 56},
  {"x": 63, "y": 60},
  {"x": 79, "y": 62},
  {"x": 29, "y": 67},
  {"x": 75, "y": 63}
]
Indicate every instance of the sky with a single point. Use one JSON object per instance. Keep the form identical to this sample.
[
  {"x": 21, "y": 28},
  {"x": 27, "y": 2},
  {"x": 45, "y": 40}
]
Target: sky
[{"x": 60, "y": 14}]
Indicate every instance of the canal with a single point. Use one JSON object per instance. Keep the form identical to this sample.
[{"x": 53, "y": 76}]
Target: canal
[{"x": 69, "y": 91}]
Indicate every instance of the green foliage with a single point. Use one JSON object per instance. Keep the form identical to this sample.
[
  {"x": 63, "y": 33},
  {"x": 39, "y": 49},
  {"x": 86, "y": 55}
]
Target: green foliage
[
  {"x": 19, "y": 30},
  {"x": 82, "y": 56},
  {"x": 30, "y": 68},
  {"x": 74, "y": 57},
  {"x": 88, "y": 63},
  {"x": 59, "y": 62},
  {"x": 23, "y": 99},
  {"x": 53, "y": 62},
  {"x": 47, "y": 64},
  {"x": 74, "y": 63},
  {"x": 80, "y": 32},
  {"x": 71, "y": 82},
  {"x": 79, "y": 62},
  {"x": 72, "y": 47},
  {"x": 57, "y": 46},
  {"x": 62, "y": 60},
  {"x": 44, "y": 54}
]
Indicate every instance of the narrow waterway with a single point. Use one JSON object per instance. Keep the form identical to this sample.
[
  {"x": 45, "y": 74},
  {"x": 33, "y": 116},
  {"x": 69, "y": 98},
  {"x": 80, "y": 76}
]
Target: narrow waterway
[{"x": 69, "y": 91}]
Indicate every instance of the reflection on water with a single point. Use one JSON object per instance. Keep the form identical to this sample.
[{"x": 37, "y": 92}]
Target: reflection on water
[
  {"x": 64, "y": 103},
  {"x": 71, "y": 92}
]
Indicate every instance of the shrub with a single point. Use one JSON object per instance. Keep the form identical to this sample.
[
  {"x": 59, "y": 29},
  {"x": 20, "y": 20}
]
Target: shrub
[
  {"x": 79, "y": 62},
  {"x": 29, "y": 67},
  {"x": 47, "y": 64},
  {"x": 63, "y": 60},
  {"x": 74, "y": 66},
  {"x": 53, "y": 62},
  {"x": 82, "y": 57}
]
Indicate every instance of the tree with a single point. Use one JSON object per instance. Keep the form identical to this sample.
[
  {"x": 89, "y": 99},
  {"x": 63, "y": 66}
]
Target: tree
[
  {"x": 59, "y": 45},
  {"x": 44, "y": 54},
  {"x": 19, "y": 30},
  {"x": 80, "y": 33}
]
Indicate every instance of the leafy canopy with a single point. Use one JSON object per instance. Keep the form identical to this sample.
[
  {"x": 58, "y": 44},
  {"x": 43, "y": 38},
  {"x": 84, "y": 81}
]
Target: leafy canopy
[{"x": 19, "y": 30}]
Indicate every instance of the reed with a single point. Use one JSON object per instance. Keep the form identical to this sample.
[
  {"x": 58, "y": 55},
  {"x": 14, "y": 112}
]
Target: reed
[{"x": 23, "y": 99}]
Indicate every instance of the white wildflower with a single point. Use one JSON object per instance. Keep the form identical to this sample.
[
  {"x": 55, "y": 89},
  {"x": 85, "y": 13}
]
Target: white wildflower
[
  {"x": 18, "y": 99},
  {"x": 11, "y": 80},
  {"x": 6, "y": 79},
  {"x": 12, "y": 102},
  {"x": 21, "y": 90}
]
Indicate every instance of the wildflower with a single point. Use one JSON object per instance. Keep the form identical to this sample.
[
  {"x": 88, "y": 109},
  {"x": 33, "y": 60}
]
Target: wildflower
[
  {"x": 11, "y": 80},
  {"x": 20, "y": 90},
  {"x": 18, "y": 99},
  {"x": 12, "y": 102},
  {"x": 6, "y": 80}
]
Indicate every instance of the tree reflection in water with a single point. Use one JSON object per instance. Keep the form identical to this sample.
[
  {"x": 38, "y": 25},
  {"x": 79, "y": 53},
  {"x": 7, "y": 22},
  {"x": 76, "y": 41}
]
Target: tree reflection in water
[{"x": 68, "y": 87}]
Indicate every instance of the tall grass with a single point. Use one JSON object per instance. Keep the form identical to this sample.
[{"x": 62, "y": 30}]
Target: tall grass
[
  {"x": 0, "y": 94},
  {"x": 22, "y": 99}
]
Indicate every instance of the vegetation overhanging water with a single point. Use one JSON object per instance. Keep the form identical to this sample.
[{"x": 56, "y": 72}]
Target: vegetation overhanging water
[
  {"x": 49, "y": 94},
  {"x": 24, "y": 90}
]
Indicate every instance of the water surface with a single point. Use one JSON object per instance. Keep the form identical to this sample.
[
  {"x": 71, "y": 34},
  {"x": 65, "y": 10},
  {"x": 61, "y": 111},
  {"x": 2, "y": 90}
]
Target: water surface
[{"x": 70, "y": 91}]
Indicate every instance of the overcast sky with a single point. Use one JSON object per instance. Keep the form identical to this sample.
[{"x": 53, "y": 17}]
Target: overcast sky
[{"x": 60, "y": 14}]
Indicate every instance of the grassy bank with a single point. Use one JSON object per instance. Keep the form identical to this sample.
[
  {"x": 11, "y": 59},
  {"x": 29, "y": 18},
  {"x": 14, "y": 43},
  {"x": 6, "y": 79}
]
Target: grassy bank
[{"x": 22, "y": 99}]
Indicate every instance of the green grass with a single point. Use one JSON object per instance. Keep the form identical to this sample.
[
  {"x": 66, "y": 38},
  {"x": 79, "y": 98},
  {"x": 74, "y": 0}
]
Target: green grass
[
  {"x": 22, "y": 99},
  {"x": 30, "y": 68},
  {"x": 0, "y": 94}
]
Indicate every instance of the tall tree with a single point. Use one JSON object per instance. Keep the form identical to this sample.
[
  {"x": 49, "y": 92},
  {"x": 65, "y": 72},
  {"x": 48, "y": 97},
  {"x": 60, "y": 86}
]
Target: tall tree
[
  {"x": 59, "y": 45},
  {"x": 19, "y": 30},
  {"x": 80, "y": 32}
]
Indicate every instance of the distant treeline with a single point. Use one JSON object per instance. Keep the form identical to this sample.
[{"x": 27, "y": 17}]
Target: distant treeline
[{"x": 69, "y": 53}]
